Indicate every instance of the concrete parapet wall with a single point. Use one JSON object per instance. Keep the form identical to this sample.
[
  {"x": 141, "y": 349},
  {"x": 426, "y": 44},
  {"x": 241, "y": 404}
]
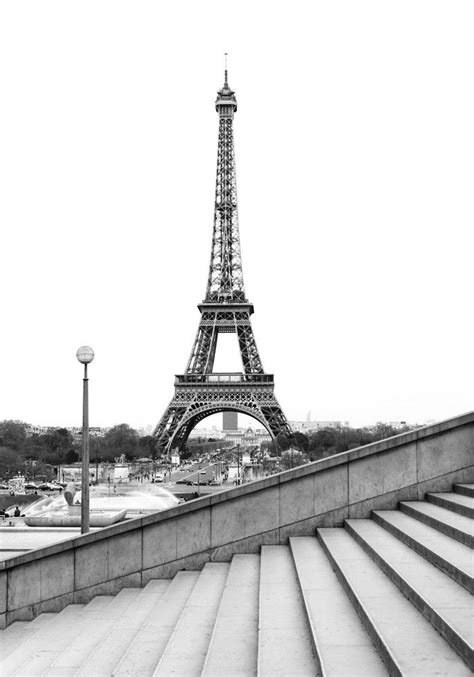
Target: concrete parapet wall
[{"x": 218, "y": 526}]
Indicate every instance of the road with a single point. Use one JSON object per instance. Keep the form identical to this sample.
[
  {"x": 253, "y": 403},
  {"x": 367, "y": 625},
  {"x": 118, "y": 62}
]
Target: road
[{"x": 204, "y": 474}]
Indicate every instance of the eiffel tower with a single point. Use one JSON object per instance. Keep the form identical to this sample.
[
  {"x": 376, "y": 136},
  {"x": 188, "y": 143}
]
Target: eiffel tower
[{"x": 200, "y": 392}]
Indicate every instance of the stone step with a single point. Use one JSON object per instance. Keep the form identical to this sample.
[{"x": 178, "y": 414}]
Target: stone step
[
  {"x": 445, "y": 604},
  {"x": 284, "y": 641},
  {"x": 233, "y": 646},
  {"x": 407, "y": 643},
  {"x": 187, "y": 647},
  {"x": 42, "y": 619},
  {"x": 107, "y": 654},
  {"x": 19, "y": 632},
  {"x": 86, "y": 639},
  {"x": 62, "y": 627},
  {"x": 58, "y": 640},
  {"x": 146, "y": 649},
  {"x": 13, "y": 636},
  {"x": 454, "y": 558},
  {"x": 462, "y": 505},
  {"x": 455, "y": 526},
  {"x": 464, "y": 489},
  {"x": 341, "y": 643}
]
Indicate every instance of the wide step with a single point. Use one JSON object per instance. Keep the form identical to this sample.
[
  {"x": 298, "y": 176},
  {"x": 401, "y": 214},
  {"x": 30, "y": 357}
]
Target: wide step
[
  {"x": 462, "y": 505},
  {"x": 464, "y": 489},
  {"x": 146, "y": 649},
  {"x": 41, "y": 649},
  {"x": 342, "y": 645},
  {"x": 442, "y": 601},
  {"x": 284, "y": 640},
  {"x": 91, "y": 634},
  {"x": 19, "y": 632},
  {"x": 233, "y": 646},
  {"x": 454, "y": 558},
  {"x": 187, "y": 647},
  {"x": 449, "y": 523},
  {"x": 107, "y": 654},
  {"x": 408, "y": 644}
]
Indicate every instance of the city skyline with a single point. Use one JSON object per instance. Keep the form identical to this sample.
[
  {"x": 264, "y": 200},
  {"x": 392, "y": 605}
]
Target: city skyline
[{"x": 353, "y": 196}]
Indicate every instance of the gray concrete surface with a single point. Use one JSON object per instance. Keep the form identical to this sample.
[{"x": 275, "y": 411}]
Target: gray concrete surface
[
  {"x": 239, "y": 520},
  {"x": 284, "y": 641},
  {"x": 462, "y": 505},
  {"x": 112, "y": 647},
  {"x": 445, "y": 604},
  {"x": 448, "y": 522},
  {"x": 187, "y": 647},
  {"x": 370, "y": 592},
  {"x": 455, "y": 559},
  {"x": 233, "y": 646},
  {"x": 341, "y": 643},
  {"x": 147, "y": 647},
  {"x": 409, "y": 645},
  {"x": 464, "y": 489}
]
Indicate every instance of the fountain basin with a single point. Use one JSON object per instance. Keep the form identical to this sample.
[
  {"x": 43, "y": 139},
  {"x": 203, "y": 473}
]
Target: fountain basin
[{"x": 97, "y": 518}]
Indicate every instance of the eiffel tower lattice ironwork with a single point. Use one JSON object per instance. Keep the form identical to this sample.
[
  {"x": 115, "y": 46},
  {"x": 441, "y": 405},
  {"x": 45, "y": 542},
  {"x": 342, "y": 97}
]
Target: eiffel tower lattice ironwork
[{"x": 200, "y": 392}]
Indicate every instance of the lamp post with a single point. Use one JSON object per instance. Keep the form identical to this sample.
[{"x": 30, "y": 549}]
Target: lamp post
[
  {"x": 85, "y": 355},
  {"x": 238, "y": 464}
]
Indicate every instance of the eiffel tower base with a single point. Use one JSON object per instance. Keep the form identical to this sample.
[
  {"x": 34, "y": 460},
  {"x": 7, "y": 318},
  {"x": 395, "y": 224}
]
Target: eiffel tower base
[{"x": 200, "y": 395}]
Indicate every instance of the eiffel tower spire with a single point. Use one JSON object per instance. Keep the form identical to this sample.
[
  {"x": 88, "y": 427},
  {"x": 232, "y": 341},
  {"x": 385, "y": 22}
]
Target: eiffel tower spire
[
  {"x": 225, "y": 282},
  {"x": 200, "y": 392}
]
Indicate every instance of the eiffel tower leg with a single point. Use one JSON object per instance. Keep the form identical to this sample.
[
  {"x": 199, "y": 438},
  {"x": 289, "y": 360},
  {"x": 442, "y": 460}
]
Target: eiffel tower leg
[
  {"x": 248, "y": 349},
  {"x": 204, "y": 350},
  {"x": 169, "y": 423}
]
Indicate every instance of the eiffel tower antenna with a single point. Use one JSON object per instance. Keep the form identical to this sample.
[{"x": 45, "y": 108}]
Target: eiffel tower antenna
[{"x": 200, "y": 391}]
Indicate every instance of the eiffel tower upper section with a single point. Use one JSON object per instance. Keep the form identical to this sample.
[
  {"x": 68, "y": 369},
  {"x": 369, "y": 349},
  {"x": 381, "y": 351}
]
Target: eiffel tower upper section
[
  {"x": 225, "y": 308},
  {"x": 225, "y": 282}
]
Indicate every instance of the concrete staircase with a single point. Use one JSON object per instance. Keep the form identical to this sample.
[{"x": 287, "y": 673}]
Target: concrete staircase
[{"x": 387, "y": 595}]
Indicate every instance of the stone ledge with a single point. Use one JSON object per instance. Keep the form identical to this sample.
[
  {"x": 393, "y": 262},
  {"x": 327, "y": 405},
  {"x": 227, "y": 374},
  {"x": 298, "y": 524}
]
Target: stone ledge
[{"x": 284, "y": 477}]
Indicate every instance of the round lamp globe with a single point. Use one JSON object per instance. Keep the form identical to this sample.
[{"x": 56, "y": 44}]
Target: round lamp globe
[{"x": 85, "y": 354}]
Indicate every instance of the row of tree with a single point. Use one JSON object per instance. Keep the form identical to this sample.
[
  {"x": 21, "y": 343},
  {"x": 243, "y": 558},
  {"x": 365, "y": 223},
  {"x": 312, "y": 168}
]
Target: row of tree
[
  {"x": 328, "y": 441},
  {"x": 37, "y": 454}
]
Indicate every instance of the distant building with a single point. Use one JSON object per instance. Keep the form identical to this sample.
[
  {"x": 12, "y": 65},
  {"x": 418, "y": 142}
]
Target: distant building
[
  {"x": 76, "y": 431},
  {"x": 205, "y": 433},
  {"x": 229, "y": 420},
  {"x": 248, "y": 437},
  {"x": 312, "y": 426},
  {"x": 37, "y": 429},
  {"x": 94, "y": 431}
]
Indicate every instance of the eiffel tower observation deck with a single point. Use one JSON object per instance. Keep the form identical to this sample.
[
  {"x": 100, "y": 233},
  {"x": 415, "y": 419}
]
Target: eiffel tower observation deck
[{"x": 200, "y": 391}]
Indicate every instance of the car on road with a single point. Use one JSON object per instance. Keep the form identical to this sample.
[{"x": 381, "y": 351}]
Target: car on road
[
  {"x": 49, "y": 486},
  {"x": 203, "y": 472}
]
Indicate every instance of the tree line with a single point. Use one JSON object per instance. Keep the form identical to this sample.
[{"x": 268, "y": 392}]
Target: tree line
[
  {"x": 37, "y": 454},
  {"x": 319, "y": 444}
]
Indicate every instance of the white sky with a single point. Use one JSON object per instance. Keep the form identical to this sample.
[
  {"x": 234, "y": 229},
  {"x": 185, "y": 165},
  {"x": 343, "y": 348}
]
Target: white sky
[{"x": 354, "y": 144}]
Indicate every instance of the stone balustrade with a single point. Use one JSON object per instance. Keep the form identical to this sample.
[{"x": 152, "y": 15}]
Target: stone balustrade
[{"x": 239, "y": 520}]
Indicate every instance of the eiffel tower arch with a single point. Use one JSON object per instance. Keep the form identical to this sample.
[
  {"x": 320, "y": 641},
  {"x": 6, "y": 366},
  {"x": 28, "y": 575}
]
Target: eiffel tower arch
[{"x": 200, "y": 391}]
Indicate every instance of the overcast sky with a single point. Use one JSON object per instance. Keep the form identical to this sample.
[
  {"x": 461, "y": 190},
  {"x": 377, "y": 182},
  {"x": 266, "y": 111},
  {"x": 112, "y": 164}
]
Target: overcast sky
[{"x": 354, "y": 143}]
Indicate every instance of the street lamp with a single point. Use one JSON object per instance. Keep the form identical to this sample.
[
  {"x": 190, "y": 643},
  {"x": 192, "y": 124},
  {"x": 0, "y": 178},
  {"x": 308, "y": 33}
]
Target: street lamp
[{"x": 85, "y": 355}]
